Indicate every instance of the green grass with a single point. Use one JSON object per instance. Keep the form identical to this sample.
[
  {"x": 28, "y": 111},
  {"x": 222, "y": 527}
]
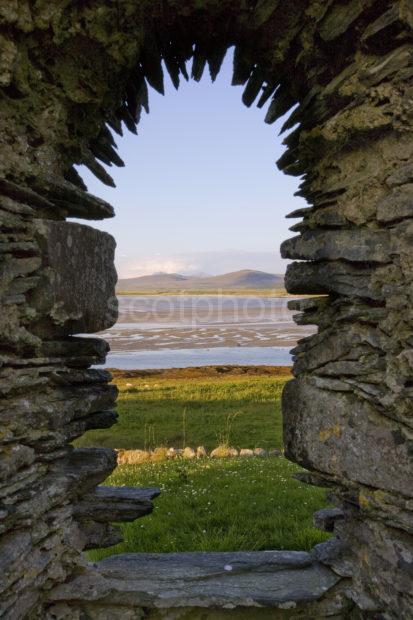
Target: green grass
[
  {"x": 208, "y": 504},
  {"x": 192, "y": 410},
  {"x": 222, "y": 505}
]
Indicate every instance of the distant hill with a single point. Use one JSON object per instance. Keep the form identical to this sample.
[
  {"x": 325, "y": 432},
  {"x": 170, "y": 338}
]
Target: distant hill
[{"x": 237, "y": 280}]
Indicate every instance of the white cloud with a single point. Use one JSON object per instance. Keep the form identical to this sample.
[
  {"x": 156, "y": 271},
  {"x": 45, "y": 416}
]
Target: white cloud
[{"x": 150, "y": 265}]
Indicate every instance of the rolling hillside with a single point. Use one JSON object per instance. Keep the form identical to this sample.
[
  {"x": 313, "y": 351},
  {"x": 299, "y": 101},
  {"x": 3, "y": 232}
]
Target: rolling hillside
[{"x": 246, "y": 279}]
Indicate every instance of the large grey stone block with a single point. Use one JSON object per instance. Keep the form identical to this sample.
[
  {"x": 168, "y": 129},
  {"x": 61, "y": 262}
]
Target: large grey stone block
[
  {"x": 346, "y": 437},
  {"x": 77, "y": 289}
]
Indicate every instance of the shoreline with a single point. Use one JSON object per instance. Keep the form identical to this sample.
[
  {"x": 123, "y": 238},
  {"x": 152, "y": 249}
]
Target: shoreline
[
  {"x": 209, "y": 292},
  {"x": 195, "y": 372}
]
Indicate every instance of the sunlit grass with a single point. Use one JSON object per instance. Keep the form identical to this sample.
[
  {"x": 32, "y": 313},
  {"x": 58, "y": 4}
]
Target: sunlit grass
[
  {"x": 210, "y": 504},
  {"x": 221, "y": 505},
  {"x": 194, "y": 411}
]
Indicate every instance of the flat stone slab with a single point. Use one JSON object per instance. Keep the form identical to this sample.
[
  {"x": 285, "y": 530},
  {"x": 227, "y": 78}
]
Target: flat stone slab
[
  {"x": 77, "y": 290},
  {"x": 107, "y": 504},
  {"x": 226, "y": 580}
]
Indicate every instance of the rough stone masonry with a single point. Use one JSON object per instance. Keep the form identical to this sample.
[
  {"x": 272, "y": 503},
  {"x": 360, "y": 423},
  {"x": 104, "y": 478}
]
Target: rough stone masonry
[{"x": 73, "y": 74}]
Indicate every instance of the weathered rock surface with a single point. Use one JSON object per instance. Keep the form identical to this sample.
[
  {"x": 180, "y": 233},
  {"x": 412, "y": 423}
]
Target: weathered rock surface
[
  {"x": 223, "y": 452},
  {"x": 96, "y": 510},
  {"x": 352, "y": 245},
  {"x": 246, "y": 452},
  {"x": 133, "y": 457},
  {"x": 334, "y": 439},
  {"x": 159, "y": 454},
  {"x": 70, "y": 75},
  {"x": 326, "y": 518},
  {"x": 201, "y": 452},
  {"x": 188, "y": 453},
  {"x": 116, "y": 503},
  {"x": 252, "y": 581},
  {"x": 77, "y": 292},
  {"x": 260, "y": 452},
  {"x": 397, "y": 205}
]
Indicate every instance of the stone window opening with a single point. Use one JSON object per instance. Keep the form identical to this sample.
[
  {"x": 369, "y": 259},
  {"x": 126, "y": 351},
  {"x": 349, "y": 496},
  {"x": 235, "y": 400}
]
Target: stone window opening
[
  {"x": 64, "y": 72},
  {"x": 96, "y": 515}
]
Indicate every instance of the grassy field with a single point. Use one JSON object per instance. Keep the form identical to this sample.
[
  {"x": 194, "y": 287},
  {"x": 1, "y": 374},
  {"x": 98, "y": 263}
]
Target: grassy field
[
  {"x": 192, "y": 407},
  {"x": 208, "y": 504},
  {"x": 220, "y": 505}
]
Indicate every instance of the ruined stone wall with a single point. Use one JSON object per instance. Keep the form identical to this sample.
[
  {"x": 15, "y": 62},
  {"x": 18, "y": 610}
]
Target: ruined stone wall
[
  {"x": 348, "y": 413},
  {"x": 49, "y": 395},
  {"x": 74, "y": 73}
]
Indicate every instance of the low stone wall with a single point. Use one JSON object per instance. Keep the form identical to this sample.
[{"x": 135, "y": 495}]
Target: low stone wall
[
  {"x": 71, "y": 76},
  {"x": 135, "y": 457}
]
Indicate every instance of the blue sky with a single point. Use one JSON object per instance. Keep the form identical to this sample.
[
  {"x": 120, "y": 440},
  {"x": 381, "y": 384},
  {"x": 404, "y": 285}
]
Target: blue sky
[{"x": 200, "y": 191}]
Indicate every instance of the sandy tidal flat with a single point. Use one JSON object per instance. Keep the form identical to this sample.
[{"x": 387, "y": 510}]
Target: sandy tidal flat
[
  {"x": 176, "y": 331},
  {"x": 190, "y": 322}
]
